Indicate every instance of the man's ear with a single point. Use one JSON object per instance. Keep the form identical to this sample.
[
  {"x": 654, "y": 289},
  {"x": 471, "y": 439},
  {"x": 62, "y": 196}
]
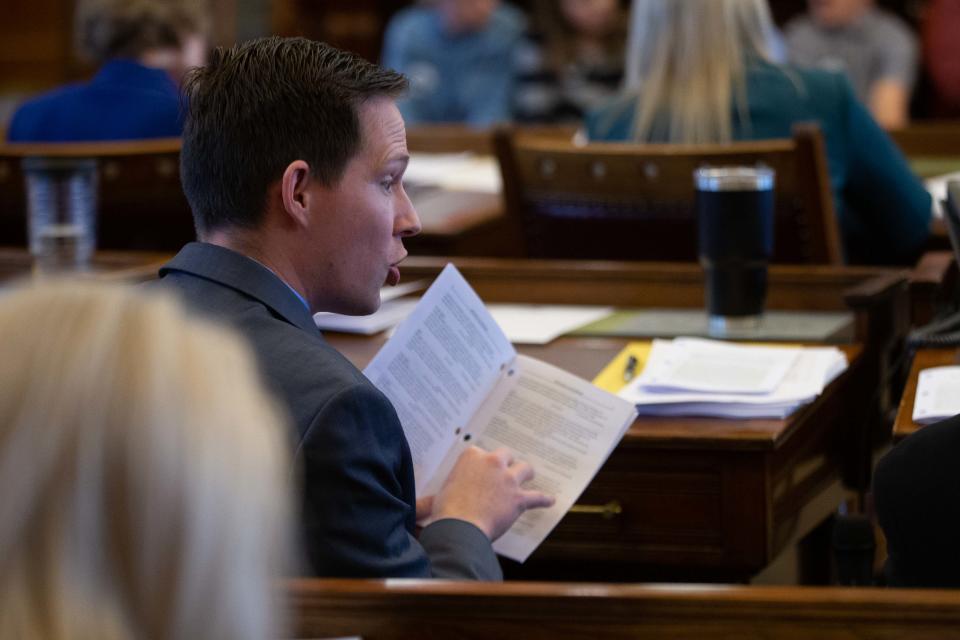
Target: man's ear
[{"x": 295, "y": 191}]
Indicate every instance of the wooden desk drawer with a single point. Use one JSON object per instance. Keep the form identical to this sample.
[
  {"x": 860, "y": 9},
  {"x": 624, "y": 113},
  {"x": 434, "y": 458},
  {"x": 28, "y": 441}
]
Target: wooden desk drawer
[{"x": 683, "y": 509}]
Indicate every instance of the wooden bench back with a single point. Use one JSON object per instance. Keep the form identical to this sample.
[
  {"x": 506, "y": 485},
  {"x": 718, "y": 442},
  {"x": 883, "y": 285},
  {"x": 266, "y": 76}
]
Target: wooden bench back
[
  {"x": 636, "y": 202},
  {"x": 454, "y": 138},
  {"x": 141, "y": 204},
  {"x": 388, "y": 610}
]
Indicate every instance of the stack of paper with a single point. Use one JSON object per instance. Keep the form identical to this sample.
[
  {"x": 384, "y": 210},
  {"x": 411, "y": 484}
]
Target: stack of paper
[
  {"x": 454, "y": 172},
  {"x": 937, "y": 397},
  {"x": 694, "y": 377}
]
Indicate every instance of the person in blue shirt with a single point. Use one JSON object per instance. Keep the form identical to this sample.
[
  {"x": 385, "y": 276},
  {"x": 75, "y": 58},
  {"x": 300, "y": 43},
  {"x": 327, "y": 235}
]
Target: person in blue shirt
[
  {"x": 458, "y": 55},
  {"x": 701, "y": 72},
  {"x": 144, "y": 47}
]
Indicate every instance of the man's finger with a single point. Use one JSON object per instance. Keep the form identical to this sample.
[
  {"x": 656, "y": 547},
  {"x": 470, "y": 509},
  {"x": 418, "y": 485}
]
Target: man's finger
[
  {"x": 504, "y": 455},
  {"x": 536, "y": 500},
  {"x": 522, "y": 472},
  {"x": 424, "y": 507}
]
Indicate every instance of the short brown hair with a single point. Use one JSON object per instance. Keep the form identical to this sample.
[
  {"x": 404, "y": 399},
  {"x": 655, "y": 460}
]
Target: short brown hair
[
  {"x": 108, "y": 29},
  {"x": 262, "y": 104}
]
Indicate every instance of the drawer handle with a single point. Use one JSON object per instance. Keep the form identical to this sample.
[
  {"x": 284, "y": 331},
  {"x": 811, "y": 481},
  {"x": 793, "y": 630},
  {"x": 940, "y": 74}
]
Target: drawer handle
[{"x": 606, "y": 511}]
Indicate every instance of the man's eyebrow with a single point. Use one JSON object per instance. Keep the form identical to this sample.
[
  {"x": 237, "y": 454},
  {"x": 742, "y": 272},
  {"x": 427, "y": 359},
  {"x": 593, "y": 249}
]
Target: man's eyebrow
[{"x": 399, "y": 159}]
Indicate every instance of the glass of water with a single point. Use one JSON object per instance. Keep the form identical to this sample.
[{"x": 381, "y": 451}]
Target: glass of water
[{"x": 61, "y": 212}]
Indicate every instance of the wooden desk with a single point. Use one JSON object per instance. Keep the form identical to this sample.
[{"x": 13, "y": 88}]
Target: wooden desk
[
  {"x": 700, "y": 498},
  {"x": 924, "y": 359},
  {"x": 392, "y": 610}
]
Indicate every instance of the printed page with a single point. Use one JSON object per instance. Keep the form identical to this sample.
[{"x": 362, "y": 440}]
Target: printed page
[
  {"x": 693, "y": 364},
  {"x": 561, "y": 425},
  {"x": 541, "y": 323},
  {"x": 439, "y": 366},
  {"x": 937, "y": 396}
]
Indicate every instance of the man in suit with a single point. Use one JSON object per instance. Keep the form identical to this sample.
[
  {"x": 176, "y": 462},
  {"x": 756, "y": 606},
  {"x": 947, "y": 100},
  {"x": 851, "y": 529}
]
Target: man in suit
[
  {"x": 293, "y": 158},
  {"x": 916, "y": 487}
]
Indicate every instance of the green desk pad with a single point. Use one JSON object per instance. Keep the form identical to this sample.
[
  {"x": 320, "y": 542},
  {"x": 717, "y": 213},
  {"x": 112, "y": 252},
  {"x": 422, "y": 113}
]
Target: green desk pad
[
  {"x": 792, "y": 326},
  {"x": 933, "y": 166}
]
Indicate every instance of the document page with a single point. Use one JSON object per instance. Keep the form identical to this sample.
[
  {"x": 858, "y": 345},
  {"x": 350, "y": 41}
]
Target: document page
[
  {"x": 562, "y": 425},
  {"x": 693, "y": 364},
  {"x": 439, "y": 366},
  {"x": 541, "y": 323},
  {"x": 937, "y": 396}
]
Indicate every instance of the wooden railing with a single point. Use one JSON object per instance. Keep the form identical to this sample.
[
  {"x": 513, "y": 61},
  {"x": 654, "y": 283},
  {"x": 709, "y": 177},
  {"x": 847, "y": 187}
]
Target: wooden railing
[{"x": 388, "y": 610}]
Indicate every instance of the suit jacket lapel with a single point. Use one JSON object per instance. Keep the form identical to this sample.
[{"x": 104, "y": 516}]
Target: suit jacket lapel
[{"x": 247, "y": 276}]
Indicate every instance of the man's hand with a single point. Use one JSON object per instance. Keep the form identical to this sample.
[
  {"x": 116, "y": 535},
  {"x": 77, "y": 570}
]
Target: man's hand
[
  {"x": 484, "y": 488},
  {"x": 424, "y": 508}
]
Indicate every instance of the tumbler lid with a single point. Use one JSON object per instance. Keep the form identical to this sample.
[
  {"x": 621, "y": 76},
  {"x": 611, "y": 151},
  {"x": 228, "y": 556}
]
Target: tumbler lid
[{"x": 734, "y": 179}]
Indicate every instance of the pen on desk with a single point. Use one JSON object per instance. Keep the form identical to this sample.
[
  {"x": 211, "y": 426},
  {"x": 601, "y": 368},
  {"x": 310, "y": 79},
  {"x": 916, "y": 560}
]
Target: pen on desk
[{"x": 630, "y": 369}]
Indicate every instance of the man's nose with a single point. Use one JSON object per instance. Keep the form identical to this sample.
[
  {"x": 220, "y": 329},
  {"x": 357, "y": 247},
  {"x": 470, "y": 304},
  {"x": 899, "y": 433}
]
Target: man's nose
[{"x": 408, "y": 222}]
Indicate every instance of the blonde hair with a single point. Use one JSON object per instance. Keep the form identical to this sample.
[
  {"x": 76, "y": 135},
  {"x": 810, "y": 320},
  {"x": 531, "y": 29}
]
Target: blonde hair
[
  {"x": 106, "y": 29},
  {"x": 143, "y": 476},
  {"x": 686, "y": 62}
]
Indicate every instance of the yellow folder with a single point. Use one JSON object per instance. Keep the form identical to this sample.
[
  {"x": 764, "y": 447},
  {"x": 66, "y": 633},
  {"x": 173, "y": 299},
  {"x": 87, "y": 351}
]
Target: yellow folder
[{"x": 615, "y": 375}]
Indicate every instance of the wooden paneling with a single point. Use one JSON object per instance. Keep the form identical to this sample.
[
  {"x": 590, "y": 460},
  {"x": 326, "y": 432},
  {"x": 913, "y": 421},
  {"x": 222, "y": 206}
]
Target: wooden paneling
[{"x": 36, "y": 44}]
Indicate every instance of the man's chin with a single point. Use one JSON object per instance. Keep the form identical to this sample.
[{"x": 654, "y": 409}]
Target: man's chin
[{"x": 362, "y": 308}]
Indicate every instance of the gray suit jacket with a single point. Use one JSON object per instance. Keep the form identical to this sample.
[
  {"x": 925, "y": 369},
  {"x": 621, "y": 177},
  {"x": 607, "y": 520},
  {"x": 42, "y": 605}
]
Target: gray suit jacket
[{"x": 358, "y": 498}]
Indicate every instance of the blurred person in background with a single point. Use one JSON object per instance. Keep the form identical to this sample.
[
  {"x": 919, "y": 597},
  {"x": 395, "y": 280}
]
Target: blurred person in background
[
  {"x": 143, "y": 475},
  {"x": 702, "y": 73},
  {"x": 875, "y": 48},
  {"x": 458, "y": 55},
  {"x": 571, "y": 61},
  {"x": 143, "y": 47}
]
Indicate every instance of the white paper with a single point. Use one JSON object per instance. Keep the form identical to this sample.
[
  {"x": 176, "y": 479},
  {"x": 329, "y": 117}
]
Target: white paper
[
  {"x": 692, "y": 364},
  {"x": 539, "y": 324},
  {"x": 813, "y": 369},
  {"x": 454, "y": 172},
  {"x": 937, "y": 186},
  {"x": 456, "y": 381},
  {"x": 439, "y": 366},
  {"x": 938, "y": 394},
  {"x": 565, "y": 428}
]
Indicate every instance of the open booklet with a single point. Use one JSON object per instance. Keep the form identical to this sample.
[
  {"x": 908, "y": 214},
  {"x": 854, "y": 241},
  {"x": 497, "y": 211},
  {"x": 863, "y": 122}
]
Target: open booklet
[
  {"x": 937, "y": 397},
  {"x": 456, "y": 381}
]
